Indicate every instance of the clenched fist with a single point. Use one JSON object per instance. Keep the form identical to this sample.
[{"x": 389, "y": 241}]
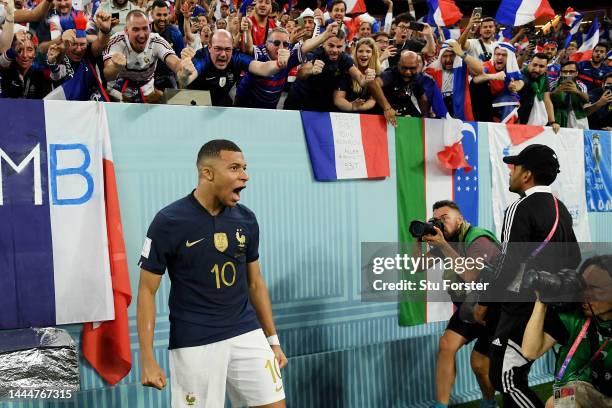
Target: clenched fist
[
  {"x": 187, "y": 68},
  {"x": 500, "y": 76},
  {"x": 245, "y": 25},
  {"x": 283, "y": 57},
  {"x": 370, "y": 75},
  {"x": 69, "y": 36},
  {"x": 119, "y": 60},
  {"x": 53, "y": 53},
  {"x": 317, "y": 67},
  {"x": 103, "y": 21},
  {"x": 187, "y": 53}
]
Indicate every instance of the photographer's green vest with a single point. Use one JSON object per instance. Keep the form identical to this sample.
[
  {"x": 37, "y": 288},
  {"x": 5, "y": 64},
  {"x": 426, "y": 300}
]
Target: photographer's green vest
[
  {"x": 467, "y": 234},
  {"x": 598, "y": 372}
]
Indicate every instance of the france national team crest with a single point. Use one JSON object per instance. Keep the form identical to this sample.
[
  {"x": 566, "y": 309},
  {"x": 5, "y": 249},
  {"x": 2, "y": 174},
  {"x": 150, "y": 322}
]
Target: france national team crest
[
  {"x": 221, "y": 241},
  {"x": 597, "y": 158},
  {"x": 241, "y": 238},
  {"x": 190, "y": 399},
  {"x": 222, "y": 81}
]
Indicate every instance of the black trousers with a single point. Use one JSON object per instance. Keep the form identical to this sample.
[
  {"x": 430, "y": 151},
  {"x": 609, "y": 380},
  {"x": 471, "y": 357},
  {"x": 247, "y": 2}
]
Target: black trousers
[{"x": 509, "y": 369}]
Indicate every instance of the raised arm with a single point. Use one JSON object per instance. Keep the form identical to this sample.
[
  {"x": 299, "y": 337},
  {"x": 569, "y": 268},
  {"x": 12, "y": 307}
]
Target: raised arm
[{"x": 535, "y": 341}]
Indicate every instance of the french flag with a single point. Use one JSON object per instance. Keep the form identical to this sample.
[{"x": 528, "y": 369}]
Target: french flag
[
  {"x": 572, "y": 20},
  {"x": 448, "y": 33},
  {"x": 352, "y": 6},
  {"x": 520, "y": 12},
  {"x": 456, "y": 132},
  {"x": 78, "y": 88},
  {"x": 346, "y": 146},
  {"x": 507, "y": 105},
  {"x": 585, "y": 51},
  {"x": 504, "y": 35},
  {"x": 443, "y": 13},
  {"x": 462, "y": 105},
  {"x": 63, "y": 256}
]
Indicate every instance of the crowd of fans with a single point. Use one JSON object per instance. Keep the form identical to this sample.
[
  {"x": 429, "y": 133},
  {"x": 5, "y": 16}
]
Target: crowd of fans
[{"x": 260, "y": 55}]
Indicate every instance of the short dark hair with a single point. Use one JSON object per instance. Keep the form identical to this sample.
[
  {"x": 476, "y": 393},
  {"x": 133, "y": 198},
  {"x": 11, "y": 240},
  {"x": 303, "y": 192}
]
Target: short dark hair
[
  {"x": 338, "y": 2},
  {"x": 403, "y": 18},
  {"x": 542, "y": 177},
  {"x": 341, "y": 35},
  {"x": 488, "y": 19},
  {"x": 608, "y": 75},
  {"x": 159, "y": 4},
  {"x": 569, "y": 63},
  {"x": 601, "y": 261},
  {"x": 602, "y": 44},
  {"x": 541, "y": 55},
  {"x": 446, "y": 203},
  {"x": 380, "y": 34},
  {"x": 214, "y": 148}
]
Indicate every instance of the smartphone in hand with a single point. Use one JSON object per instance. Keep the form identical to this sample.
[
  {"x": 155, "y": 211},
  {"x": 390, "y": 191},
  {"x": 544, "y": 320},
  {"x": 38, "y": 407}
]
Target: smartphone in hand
[{"x": 414, "y": 26}]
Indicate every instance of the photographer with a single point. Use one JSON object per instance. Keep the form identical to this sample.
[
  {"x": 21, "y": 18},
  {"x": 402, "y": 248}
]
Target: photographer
[
  {"x": 538, "y": 219},
  {"x": 586, "y": 371},
  {"x": 600, "y": 109},
  {"x": 569, "y": 98},
  {"x": 458, "y": 239}
]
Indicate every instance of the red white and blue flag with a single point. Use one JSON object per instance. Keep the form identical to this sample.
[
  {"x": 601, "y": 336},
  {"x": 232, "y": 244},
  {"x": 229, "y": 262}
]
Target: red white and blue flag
[
  {"x": 443, "y": 13},
  {"x": 572, "y": 20},
  {"x": 448, "y": 33},
  {"x": 63, "y": 256},
  {"x": 346, "y": 146},
  {"x": 352, "y": 6},
  {"x": 585, "y": 51},
  {"x": 462, "y": 103},
  {"x": 516, "y": 13}
]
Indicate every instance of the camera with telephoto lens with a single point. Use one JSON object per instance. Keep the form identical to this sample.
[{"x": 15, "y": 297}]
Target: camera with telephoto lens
[
  {"x": 556, "y": 289},
  {"x": 419, "y": 228}
]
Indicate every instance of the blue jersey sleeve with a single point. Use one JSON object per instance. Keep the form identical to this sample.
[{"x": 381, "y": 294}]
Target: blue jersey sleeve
[
  {"x": 157, "y": 248},
  {"x": 178, "y": 42},
  {"x": 253, "y": 246},
  {"x": 241, "y": 60},
  {"x": 295, "y": 58},
  {"x": 346, "y": 62},
  {"x": 201, "y": 61}
]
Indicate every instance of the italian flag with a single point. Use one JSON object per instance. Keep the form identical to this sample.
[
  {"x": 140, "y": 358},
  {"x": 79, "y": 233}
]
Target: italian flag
[{"x": 421, "y": 181}]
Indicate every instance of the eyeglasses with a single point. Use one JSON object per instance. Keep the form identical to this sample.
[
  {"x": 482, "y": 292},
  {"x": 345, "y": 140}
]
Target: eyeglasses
[
  {"x": 405, "y": 68},
  {"x": 225, "y": 50},
  {"x": 403, "y": 27},
  {"x": 277, "y": 43}
]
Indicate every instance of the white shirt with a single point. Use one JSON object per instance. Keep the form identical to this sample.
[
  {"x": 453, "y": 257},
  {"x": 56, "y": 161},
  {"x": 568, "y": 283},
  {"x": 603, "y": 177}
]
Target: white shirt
[
  {"x": 475, "y": 50},
  {"x": 140, "y": 66}
]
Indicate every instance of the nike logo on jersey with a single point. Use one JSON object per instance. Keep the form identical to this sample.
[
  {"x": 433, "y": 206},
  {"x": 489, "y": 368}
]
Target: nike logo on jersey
[{"x": 190, "y": 244}]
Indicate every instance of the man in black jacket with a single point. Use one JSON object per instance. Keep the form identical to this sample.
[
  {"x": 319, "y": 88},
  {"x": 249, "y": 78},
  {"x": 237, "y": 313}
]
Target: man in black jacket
[{"x": 537, "y": 234}]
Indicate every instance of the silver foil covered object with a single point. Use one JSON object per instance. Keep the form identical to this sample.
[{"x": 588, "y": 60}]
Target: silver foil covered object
[{"x": 40, "y": 359}]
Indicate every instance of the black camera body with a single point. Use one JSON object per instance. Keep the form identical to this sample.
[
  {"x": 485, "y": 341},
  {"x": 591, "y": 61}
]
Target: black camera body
[
  {"x": 557, "y": 289},
  {"x": 419, "y": 228}
]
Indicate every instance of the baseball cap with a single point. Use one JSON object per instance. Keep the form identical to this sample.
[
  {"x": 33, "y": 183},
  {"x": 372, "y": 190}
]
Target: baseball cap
[{"x": 536, "y": 157}]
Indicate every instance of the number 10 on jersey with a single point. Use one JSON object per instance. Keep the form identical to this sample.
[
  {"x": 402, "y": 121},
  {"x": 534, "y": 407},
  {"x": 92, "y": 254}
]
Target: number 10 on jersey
[{"x": 221, "y": 274}]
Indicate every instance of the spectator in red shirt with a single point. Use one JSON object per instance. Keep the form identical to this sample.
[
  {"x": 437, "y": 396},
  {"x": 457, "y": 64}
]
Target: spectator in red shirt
[{"x": 261, "y": 21}]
